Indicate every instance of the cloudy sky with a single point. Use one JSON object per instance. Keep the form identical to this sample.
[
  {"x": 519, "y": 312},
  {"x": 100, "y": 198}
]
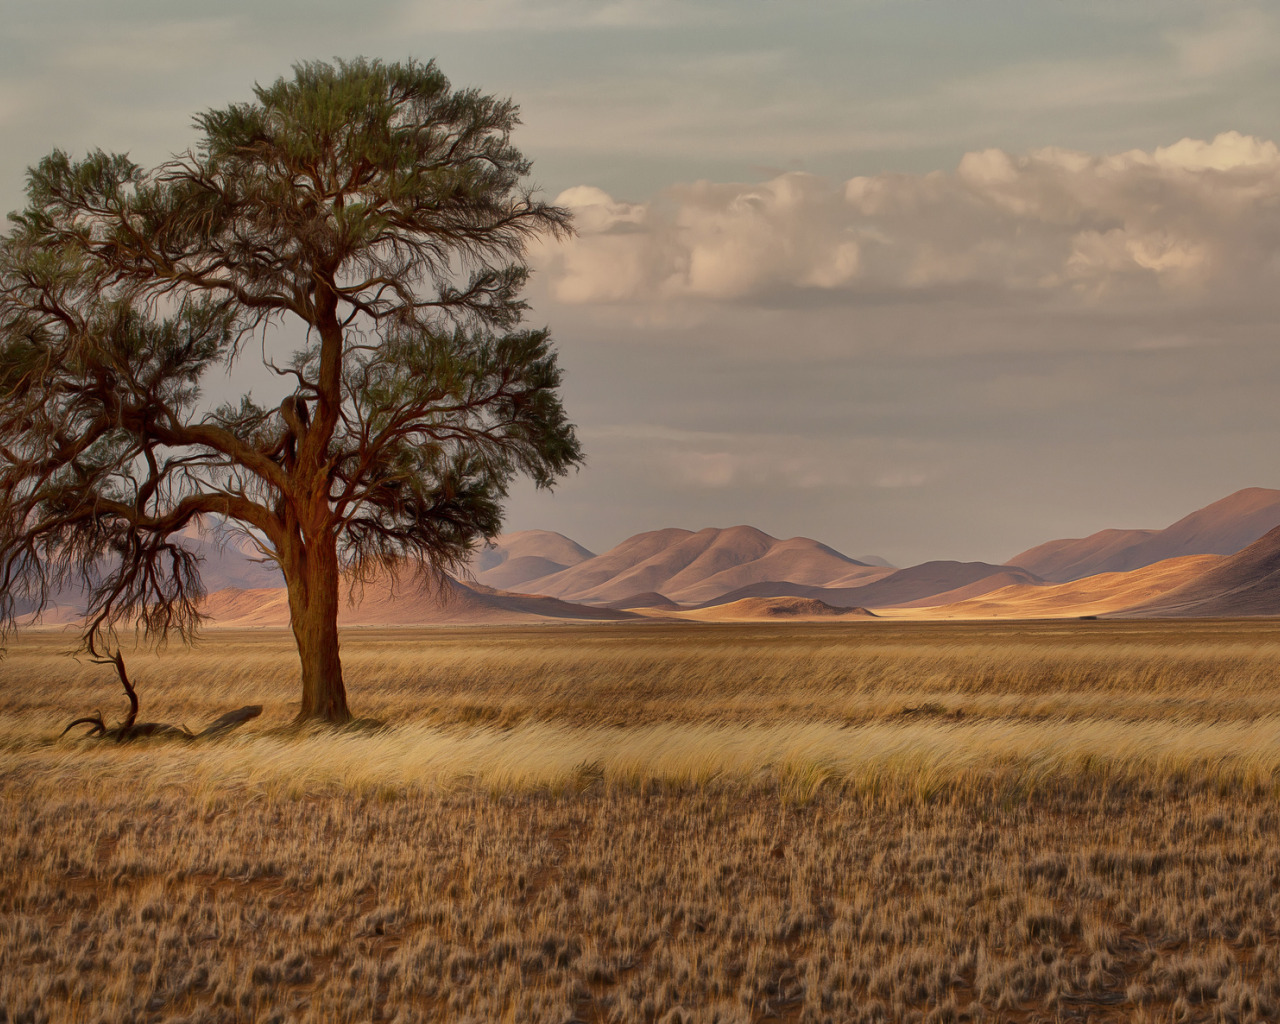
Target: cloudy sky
[{"x": 922, "y": 278}]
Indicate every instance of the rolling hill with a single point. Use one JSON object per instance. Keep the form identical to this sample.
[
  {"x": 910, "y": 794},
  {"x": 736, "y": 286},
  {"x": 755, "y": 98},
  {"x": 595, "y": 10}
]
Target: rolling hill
[{"x": 690, "y": 568}]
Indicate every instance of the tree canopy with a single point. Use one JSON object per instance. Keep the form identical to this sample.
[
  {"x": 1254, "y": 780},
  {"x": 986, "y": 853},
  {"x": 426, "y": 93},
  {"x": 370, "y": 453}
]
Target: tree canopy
[{"x": 374, "y": 204}]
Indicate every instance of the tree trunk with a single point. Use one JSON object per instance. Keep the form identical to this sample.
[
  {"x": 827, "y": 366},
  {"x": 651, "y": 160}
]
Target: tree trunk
[
  {"x": 313, "y": 615},
  {"x": 313, "y": 603}
]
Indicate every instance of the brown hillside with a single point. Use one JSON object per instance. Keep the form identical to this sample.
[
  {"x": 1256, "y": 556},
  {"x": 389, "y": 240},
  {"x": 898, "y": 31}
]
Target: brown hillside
[
  {"x": 617, "y": 561},
  {"x": 986, "y": 585},
  {"x": 903, "y": 587}
]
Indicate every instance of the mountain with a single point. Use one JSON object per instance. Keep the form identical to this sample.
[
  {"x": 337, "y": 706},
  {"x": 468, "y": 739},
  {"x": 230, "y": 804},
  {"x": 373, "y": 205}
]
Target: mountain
[
  {"x": 515, "y": 558},
  {"x": 1246, "y": 583},
  {"x": 689, "y": 567},
  {"x": 404, "y": 605},
  {"x": 229, "y": 558},
  {"x": 1222, "y": 528},
  {"x": 921, "y": 584},
  {"x": 1223, "y": 559}
]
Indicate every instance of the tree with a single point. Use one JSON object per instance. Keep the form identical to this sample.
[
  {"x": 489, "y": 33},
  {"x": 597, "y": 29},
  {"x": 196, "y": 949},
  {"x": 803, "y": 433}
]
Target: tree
[{"x": 369, "y": 201}]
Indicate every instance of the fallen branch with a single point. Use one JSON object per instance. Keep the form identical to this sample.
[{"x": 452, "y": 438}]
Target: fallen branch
[{"x": 131, "y": 728}]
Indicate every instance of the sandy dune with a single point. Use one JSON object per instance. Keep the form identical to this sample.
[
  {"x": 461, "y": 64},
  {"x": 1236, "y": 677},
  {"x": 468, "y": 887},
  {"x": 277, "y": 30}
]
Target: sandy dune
[
  {"x": 1103, "y": 594},
  {"x": 1222, "y": 528}
]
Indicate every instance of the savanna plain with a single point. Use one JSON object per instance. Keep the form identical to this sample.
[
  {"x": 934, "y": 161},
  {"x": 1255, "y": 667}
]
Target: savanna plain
[{"x": 860, "y": 821}]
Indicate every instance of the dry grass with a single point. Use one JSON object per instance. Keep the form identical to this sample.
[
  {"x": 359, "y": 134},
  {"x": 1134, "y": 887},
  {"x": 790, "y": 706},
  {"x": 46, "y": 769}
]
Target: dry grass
[{"x": 843, "y": 822}]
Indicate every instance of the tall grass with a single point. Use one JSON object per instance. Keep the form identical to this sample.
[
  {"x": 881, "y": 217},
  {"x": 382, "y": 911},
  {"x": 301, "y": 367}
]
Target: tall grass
[{"x": 862, "y": 822}]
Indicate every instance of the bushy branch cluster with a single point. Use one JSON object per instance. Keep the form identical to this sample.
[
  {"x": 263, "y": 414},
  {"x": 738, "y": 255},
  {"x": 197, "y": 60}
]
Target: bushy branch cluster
[{"x": 373, "y": 202}]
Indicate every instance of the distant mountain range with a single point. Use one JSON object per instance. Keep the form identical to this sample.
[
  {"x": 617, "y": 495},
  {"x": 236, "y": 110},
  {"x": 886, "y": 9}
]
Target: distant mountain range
[
  {"x": 1223, "y": 559},
  {"x": 684, "y": 567}
]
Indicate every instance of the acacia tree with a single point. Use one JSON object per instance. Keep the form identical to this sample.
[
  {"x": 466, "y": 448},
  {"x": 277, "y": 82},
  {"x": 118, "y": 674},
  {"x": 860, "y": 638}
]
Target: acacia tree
[{"x": 371, "y": 202}]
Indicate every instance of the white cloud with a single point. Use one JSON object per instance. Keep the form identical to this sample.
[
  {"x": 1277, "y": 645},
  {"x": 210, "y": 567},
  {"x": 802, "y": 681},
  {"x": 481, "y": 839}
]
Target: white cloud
[
  {"x": 1170, "y": 223},
  {"x": 1228, "y": 152}
]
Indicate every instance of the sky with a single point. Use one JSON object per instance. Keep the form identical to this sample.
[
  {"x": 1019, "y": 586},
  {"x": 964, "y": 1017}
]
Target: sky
[{"x": 917, "y": 278}]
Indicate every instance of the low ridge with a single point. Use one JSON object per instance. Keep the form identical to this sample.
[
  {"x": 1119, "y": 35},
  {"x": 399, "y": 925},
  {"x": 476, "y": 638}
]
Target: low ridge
[
  {"x": 381, "y": 604},
  {"x": 765, "y": 608}
]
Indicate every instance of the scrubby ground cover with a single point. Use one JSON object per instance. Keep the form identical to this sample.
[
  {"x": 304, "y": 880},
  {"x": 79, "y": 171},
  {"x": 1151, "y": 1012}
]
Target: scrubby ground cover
[{"x": 846, "y": 822}]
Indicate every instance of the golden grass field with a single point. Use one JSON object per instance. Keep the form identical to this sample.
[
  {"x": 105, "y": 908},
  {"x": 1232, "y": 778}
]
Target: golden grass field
[{"x": 853, "y": 821}]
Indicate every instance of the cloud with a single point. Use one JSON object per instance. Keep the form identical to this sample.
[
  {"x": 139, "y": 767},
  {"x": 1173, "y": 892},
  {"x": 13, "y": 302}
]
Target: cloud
[
  {"x": 1173, "y": 224},
  {"x": 749, "y": 461},
  {"x": 706, "y": 240}
]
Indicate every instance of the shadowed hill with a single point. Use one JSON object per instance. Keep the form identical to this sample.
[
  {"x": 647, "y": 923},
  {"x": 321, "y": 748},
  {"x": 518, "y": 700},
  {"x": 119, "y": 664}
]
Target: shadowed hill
[
  {"x": 515, "y": 558},
  {"x": 1246, "y": 583},
  {"x": 651, "y": 600},
  {"x": 1222, "y": 528}
]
